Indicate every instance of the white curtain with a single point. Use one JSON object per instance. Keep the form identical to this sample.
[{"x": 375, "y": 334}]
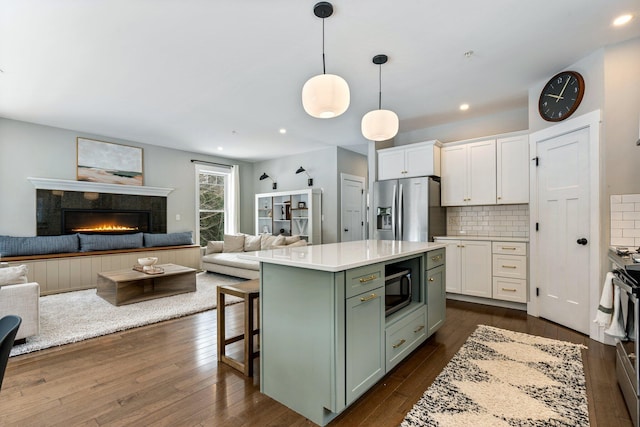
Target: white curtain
[{"x": 232, "y": 224}]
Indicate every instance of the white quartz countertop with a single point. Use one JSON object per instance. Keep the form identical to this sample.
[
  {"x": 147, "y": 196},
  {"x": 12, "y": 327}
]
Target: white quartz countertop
[
  {"x": 484, "y": 238},
  {"x": 335, "y": 257}
]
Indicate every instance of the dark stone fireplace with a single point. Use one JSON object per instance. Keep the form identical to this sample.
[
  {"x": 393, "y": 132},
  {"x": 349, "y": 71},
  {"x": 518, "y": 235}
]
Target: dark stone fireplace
[{"x": 67, "y": 212}]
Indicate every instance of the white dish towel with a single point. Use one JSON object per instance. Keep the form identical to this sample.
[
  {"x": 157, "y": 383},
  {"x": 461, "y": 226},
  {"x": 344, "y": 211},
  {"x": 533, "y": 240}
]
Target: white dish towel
[
  {"x": 617, "y": 328},
  {"x": 605, "y": 309}
]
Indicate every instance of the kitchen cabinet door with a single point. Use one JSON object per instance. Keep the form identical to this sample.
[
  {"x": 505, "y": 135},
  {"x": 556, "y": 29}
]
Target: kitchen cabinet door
[
  {"x": 475, "y": 262},
  {"x": 512, "y": 180},
  {"x": 365, "y": 342},
  {"x": 481, "y": 176},
  {"x": 391, "y": 164},
  {"x": 436, "y": 298},
  {"x": 452, "y": 265},
  {"x": 453, "y": 184}
]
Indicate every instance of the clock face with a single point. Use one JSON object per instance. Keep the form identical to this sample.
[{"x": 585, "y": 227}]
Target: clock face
[{"x": 561, "y": 96}]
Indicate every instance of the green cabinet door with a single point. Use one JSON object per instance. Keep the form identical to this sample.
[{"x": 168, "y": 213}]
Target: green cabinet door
[
  {"x": 436, "y": 298},
  {"x": 364, "y": 342}
]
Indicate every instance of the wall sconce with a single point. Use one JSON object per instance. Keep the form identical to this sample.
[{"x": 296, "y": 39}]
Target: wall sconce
[
  {"x": 310, "y": 180},
  {"x": 265, "y": 176}
]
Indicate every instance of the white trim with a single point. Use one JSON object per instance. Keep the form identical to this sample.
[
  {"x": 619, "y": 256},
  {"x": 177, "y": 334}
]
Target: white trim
[
  {"x": 592, "y": 122},
  {"x": 97, "y": 187}
]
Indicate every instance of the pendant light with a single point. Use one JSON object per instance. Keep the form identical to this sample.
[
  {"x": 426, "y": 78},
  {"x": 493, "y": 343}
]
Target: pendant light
[
  {"x": 325, "y": 95},
  {"x": 380, "y": 125}
]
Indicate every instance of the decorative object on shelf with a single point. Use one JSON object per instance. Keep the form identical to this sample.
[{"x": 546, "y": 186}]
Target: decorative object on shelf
[
  {"x": 99, "y": 161},
  {"x": 265, "y": 229},
  {"x": 326, "y": 95},
  {"x": 287, "y": 206},
  {"x": 147, "y": 265},
  {"x": 380, "y": 125},
  {"x": 302, "y": 205},
  {"x": 265, "y": 176},
  {"x": 310, "y": 180},
  {"x": 561, "y": 96}
]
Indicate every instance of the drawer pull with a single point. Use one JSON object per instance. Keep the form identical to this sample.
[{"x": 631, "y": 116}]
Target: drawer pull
[
  {"x": 368, "y": 278},
  {"x": 431, "y": 279},
  {"x": 436, "y": 258},
  {"x": 509, "y": 248},
  {"x": 418, "y": 329},
  {"x": 509, "y": 289},
  {"x": 509, "y": 266},
  {"x": 402, "y": 341},
  {"x": 369, "y": 297}
]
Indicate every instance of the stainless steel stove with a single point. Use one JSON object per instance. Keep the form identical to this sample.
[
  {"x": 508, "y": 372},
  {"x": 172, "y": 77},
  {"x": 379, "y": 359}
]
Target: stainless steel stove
[{"x": 627, "y": 278}]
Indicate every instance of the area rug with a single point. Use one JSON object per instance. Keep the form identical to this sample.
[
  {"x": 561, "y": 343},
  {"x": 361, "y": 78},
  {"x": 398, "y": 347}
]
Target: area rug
[
  {"x": 503, "y": 378},
  {"x": 75, "y": 316}
]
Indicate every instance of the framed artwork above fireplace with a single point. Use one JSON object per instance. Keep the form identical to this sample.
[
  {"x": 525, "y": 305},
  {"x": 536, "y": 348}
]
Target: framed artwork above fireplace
[{"x": 106, "y": 162}]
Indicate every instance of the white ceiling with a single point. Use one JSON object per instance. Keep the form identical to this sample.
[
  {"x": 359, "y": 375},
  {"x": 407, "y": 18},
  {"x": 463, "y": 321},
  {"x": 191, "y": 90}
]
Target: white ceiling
[{"x": 201, "y": 74}]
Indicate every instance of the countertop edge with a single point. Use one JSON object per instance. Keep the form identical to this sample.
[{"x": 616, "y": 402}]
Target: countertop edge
[{"x": 485, "y": 238}]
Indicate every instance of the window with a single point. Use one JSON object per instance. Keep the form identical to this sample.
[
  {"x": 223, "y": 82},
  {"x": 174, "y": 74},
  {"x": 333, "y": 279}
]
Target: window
[{"x": 214, "y": 198}]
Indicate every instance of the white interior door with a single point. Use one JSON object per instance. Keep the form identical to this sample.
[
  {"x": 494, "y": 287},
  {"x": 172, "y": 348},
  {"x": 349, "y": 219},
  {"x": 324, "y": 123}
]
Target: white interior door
[
  {"x": 352, "y": 207},
  {"x": 563, "y": 258}
]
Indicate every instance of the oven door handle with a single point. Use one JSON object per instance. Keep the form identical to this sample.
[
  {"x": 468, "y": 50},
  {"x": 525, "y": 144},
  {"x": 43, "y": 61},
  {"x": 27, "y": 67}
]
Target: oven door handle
[{"x": 622, "y": 285}]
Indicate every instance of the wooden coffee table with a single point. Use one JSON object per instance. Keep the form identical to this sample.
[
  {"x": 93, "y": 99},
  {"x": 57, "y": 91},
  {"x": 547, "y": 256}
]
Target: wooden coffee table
[{"x": 129, "y": 286}]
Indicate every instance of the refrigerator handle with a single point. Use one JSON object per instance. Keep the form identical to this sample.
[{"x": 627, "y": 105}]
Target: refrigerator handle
[
  {"x": 400, "y": 213},
  {"x": 393, "y": 211}
]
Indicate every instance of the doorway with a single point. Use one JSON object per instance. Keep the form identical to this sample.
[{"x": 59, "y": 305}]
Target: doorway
[
  {"x": 564, "y": 229},
  {"x": 351, "y": 207}
]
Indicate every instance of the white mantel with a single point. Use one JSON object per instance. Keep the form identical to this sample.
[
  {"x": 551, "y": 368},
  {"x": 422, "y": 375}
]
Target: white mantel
[{"x": 97, "y": 187}]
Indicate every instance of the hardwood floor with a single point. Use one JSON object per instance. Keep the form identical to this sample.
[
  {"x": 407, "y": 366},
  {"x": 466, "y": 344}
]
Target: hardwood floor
[{"x": 167, "y": 375}]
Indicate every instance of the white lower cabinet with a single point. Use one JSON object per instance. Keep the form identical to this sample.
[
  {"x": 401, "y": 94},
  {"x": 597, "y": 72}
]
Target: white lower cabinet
[
  {"x": 510, "y": 271},
  {"x": 468, "y": 267}
]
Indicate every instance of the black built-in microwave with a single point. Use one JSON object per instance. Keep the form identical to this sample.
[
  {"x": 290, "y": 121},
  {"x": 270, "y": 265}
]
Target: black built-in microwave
[{"x": 397, "y": 288}]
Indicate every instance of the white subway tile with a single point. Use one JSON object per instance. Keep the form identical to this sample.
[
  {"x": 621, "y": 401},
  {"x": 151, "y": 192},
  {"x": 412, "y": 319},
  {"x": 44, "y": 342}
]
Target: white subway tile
[
  {"x": 618, "y": 215},
  {"x": 623, "y": 207},
  {"x": 616, "y": 232},
  {"x": 634, "y": 232},
  {"x": 616, "y": 198},
  {"x": 631, "y": 198},
  {"x": 623, "y": 241},
  {"x": 623, "y": 224}
]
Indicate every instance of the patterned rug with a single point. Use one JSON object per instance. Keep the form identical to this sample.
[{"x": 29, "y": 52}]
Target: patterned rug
[
  {"x": 75, "y": 316},
  {"x": 503, "y": 378}
]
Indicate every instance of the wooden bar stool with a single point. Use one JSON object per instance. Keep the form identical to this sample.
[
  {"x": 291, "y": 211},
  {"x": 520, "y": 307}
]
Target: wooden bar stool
[{"x": 249, "y": 291}]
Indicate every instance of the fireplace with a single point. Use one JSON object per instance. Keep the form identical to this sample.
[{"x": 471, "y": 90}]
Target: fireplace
[
  {"x": 105, "y": 221},
  {"x": 67, "y": 212}
]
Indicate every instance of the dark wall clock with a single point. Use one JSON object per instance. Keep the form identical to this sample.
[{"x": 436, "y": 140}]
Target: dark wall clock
[{"x": 561, "y": 96}]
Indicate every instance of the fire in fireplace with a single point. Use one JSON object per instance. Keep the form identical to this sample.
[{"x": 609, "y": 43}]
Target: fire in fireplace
[{"x": 105, "y": 221}]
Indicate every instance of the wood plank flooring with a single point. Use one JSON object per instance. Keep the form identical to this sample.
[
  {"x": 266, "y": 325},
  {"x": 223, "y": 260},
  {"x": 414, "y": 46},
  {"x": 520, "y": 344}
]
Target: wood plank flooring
[{"x": 167, "y": 375}]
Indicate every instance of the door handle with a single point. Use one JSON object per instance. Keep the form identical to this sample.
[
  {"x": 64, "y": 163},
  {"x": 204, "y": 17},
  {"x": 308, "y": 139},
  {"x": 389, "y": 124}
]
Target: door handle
[
  {"x": 582, "y": 241},
  {"x": 346, "y": 230}
]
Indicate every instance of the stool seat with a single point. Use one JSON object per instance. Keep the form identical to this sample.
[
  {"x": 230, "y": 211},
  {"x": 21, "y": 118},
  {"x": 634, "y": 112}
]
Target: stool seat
[{"x": 249, "y": 291}]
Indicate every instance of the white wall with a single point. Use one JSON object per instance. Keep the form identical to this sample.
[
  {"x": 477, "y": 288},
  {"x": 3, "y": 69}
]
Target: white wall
[
  {"x": 31, "y": 150},
  {"x": 324, "y": 166}
]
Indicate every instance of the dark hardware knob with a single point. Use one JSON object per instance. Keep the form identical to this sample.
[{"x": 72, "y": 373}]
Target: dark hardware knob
[
  {"x": 582, "y": 241},
  {"x": 346, "y": 230}
]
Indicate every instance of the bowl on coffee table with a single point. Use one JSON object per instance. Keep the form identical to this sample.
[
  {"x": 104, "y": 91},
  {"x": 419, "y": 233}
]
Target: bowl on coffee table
[{"x": 148, "y": 263}]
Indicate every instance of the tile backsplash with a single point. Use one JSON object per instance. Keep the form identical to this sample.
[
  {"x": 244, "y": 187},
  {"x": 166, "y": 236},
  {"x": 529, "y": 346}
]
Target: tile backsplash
[
  {"x": 500, "y": 220},
  {"x": 625, "y": 220}
]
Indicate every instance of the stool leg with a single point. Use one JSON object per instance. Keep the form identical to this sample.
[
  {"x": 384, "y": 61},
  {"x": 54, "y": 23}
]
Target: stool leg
[
  {"x": 221, "y": 325},
  {"x": 248, "y": 336}
]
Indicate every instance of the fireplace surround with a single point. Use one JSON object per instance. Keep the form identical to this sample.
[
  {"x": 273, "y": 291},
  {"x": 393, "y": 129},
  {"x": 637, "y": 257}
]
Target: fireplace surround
[{"x": 66, "y": 212}]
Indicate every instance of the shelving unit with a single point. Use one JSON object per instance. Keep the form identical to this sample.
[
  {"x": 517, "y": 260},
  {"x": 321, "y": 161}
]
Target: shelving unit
[{"x": 289, "y": 213}]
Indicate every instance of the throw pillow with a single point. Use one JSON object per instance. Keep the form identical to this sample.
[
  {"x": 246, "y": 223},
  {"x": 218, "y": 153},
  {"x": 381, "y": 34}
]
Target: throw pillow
[
  {"x": 252, "y": 243},
  {"x": 167, "y": 239},
  {"x": 268, "y": 241},
  {"x": 13, "y": 275},
  {"x": 18, "y": 246},
  {"x": 291, "y": 239},
  {"x": 298, "y": 243},
  {"x": 233, "y": 243},
  {"x": 97, "y": 242},
  {"x": 214, "y": 247}
]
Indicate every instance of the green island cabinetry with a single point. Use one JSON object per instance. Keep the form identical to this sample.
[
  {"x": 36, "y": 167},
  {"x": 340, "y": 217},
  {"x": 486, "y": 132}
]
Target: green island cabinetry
[{"x": 324, "y": 337}]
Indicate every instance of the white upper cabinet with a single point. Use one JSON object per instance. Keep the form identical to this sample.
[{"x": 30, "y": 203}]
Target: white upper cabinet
[
  {"x": 512, "y": 183},
  {"x": 420, "y": 159},
  {"x": 469, "y": 174}
]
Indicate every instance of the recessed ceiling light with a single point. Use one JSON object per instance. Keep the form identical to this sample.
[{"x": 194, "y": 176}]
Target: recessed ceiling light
[
  {"x": 622, "y": 19},
  {"x": 464, "y": 107},
  {"x": 220, "y": 148},
  {"x": 282, "y": 131}
]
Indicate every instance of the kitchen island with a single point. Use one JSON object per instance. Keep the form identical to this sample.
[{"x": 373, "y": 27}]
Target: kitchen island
[{"x": 324, "y": 336}]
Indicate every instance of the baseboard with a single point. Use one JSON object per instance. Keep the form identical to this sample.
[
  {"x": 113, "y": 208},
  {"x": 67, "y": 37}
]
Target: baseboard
[{"x": 488, "y": 301}]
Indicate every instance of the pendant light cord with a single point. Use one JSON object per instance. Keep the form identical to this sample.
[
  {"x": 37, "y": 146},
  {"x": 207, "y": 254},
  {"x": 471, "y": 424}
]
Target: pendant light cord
[
  {"x": 324, "y": 68},
  {"x": 380, "y": 88}
]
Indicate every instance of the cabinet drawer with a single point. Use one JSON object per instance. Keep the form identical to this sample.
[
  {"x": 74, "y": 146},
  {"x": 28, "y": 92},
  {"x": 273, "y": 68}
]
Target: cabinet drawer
[
  {"x": 510, "y": 289},
  {"x": 512, "y": 266},
  {"x": 364, "y": 279},
  {"x": 404, "y": 336},
  {"x": 435, "y": 258},
  {"x": 509, "y": 248}
]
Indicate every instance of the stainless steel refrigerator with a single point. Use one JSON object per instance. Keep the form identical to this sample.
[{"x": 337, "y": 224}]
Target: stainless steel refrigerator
[{"x": 409, "y": 209}]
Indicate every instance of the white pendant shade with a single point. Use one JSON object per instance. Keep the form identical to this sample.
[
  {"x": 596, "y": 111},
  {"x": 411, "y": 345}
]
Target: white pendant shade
[
  {"x": 325, "y": 96},
  {"x": 380, "y": 125}
]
